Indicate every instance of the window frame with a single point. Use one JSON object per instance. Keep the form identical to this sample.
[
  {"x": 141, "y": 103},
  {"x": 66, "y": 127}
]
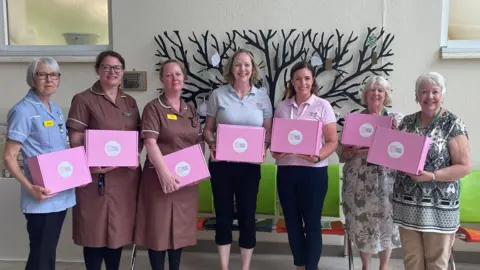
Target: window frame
[
  {"x": 456, "y": 49},
  {"x": 75, "y": 51}
]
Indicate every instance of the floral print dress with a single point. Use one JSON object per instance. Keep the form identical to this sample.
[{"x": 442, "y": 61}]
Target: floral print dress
[{"x": 367, "y": 203}]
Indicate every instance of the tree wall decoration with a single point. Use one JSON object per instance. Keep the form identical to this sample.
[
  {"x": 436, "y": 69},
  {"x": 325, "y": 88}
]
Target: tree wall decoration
[{"x": 277, "y": 51}]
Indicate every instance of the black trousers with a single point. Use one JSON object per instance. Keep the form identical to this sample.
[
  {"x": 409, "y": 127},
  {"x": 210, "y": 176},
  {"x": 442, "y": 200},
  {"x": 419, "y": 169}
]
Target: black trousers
[
  {"x": 94, "y": 258},
  {"x": 157, "y": 259},
  {"x": 43, "y": 232},
  {"x": 302, "y": 191},
  {"x": 239, "y": 180}
]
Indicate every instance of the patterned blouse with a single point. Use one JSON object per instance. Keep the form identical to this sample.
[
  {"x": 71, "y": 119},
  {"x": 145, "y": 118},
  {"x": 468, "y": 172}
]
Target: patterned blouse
[{"x": 430, "y": 206}]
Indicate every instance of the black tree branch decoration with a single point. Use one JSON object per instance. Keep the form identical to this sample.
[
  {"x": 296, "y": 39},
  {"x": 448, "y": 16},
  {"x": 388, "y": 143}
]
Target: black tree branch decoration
[{"x": 277, "y": 51}]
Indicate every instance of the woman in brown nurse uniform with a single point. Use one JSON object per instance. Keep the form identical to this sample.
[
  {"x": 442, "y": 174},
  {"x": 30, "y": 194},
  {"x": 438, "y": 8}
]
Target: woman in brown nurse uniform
[
  {"x": 166, "y": 218},
  {"x": 104, "y": 216}
]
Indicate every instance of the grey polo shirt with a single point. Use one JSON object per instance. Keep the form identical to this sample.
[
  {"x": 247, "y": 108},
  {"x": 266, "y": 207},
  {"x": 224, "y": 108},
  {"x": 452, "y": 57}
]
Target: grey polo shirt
[{"x": 225, "y": 105}]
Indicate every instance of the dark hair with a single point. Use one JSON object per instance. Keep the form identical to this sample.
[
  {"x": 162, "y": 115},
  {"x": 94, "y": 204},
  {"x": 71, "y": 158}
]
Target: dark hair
[
  {"x": 104, "y": 54},
  {"x": 290, "y": 91}
]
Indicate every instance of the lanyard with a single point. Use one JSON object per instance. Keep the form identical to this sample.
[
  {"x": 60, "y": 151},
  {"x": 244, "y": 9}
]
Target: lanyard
[
  {"x": 301, "y": 113},
  {"x": 418, "y": 117}
]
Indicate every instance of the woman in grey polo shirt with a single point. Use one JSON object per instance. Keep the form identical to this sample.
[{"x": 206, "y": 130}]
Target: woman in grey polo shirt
[{"x": 237, "y": 103}]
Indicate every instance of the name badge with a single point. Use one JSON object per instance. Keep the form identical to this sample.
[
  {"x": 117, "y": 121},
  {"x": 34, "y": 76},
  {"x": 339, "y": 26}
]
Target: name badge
[
  {"x": 171, "y": 116},
  {"x": 127, "y": 114},
  {"x": 48, "y": 123}
]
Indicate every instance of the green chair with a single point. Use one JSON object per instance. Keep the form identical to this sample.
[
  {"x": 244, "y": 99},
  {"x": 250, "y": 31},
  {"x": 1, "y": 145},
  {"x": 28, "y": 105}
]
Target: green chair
[{"x": 469, "y": 198}]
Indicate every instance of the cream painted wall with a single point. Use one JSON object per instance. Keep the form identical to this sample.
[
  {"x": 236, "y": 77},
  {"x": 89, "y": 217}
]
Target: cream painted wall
[{"x": 416, "y": 25}]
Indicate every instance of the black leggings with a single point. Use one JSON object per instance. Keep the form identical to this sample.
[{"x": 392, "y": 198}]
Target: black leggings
[
  {"x": 95, "y": 256},
  {"x": 157, "y": 259}
]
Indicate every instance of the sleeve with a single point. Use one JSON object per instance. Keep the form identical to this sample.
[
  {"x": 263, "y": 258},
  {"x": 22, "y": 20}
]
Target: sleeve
[
  {"x": 150, "y": 125},
  {"x": 78, "y": 115},
  {"x": 457, "y": 128},
  {"x": 327, "y": 114},
  {"x": 267, "y": 108},
  {"x": 212, "y": 104},
  {"x": 18, "y": 126}
]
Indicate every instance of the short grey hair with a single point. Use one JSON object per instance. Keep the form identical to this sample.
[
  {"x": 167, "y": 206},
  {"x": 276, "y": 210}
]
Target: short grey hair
[
  {"x": 371, "y": 81},
  {"x": 431, "y": 77},
  {"x": 32, "y": 68}
]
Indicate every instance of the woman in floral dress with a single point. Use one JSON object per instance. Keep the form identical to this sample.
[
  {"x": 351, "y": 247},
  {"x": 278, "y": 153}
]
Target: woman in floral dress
[{"x": 367, "y": 188}]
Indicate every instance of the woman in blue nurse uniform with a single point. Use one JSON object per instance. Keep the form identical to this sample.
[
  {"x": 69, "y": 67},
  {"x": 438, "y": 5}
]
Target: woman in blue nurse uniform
[{"x": 36, "y": 126}]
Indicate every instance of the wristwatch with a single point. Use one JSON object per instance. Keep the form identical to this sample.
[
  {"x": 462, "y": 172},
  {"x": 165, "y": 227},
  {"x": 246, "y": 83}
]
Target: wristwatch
[{"x": 318, "y": 160}]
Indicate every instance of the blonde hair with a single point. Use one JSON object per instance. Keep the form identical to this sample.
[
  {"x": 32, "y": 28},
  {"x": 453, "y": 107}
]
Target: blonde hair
[
  {"x": 383, "y": 82},
  {"x": 175, "y": 61},
  {"x": 228, "y": 75}
]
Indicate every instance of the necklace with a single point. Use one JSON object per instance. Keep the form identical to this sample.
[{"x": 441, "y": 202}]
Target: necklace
[{"x": 417, "y": 120}]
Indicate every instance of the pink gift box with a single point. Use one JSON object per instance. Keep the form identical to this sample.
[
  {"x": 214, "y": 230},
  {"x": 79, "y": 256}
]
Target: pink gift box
[
  {"x": 61, "y": 170},
  {"x": 111, "y": 148},
  {"x": 187, "y": 165},
  {"x": 240, "y": 143},
  {"x": 399, "y": 150},
  {"x": 296, "y": 136},
  {"x": 359, "y": 128}
]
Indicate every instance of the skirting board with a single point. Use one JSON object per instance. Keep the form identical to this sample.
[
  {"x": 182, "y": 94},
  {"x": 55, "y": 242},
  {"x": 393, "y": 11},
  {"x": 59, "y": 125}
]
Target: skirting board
[{"x": 327, "y": 250}]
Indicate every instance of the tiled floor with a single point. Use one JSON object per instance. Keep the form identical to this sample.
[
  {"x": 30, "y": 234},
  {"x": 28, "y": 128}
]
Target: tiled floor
[{"x": 208, "y": 261}]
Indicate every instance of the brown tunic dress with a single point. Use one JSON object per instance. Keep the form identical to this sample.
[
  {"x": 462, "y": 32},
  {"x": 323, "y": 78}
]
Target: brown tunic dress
[
  {"x": 105, "y": 220},
  {"x": 167, "y": 221}
]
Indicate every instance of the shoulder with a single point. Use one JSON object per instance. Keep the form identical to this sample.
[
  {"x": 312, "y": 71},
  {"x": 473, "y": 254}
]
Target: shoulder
[
  {"x": 21, "y": 108},
  {"x": 321, "y": 103},
  {"x": 222, "y": 90},
  {"x": 410, "y": 118},
  {"x": 152, "y": 105},
  {"x": 83, "y": 96}
]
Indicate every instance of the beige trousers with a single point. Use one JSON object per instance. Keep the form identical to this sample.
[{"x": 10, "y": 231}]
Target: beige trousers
[{"x": 426, "y": 250}]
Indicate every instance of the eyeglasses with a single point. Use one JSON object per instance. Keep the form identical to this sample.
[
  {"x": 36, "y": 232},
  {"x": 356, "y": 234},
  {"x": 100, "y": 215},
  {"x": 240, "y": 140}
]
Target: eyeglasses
[
  {"x": 43, "y": 76},
  {"x": 117, "y": 69}
]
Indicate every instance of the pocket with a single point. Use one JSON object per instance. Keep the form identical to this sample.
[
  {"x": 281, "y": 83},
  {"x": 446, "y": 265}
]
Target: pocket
[{"x": 38, "y": 132}]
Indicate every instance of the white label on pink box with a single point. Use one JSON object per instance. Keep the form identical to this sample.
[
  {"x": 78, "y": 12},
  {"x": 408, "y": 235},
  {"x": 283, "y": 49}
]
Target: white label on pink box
[
  {"x": 113, "y": 148},
  {"x": 295, "y": 137},
  {"x": 65, "y": 169},
  {"x": 240, "y": 145},
  {"x": 366, "y": 130},
  {"x": 182, "y": 169},
  {"x": 396, "y": 150}
]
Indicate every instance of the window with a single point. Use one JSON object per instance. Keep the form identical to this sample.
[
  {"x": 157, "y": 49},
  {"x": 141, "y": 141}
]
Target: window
[
  {"x": 54, "y": 27},
  {"x": 461, "y": 29}
]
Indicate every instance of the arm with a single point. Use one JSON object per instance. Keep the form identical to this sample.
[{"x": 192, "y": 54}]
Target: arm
[
  {"x": 156, "y": 158},
  {"x": 331, "y": 140},
  {"x": 208, "y": 136},
  {"x": 267, "y": 124},
  {"x": 10, "y": 155},
  {"x": 461, "y": 163}
]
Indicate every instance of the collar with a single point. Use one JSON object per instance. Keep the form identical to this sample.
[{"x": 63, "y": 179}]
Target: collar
[
  {"x": 384, "y": 112},
  {"x": 97, "y": 89},
  {"x": 309, "y": 101},
  {"x": 252, "y": 91},
  {"x": 33, "y": 98},
  {"x": 163, "y": 102}
]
